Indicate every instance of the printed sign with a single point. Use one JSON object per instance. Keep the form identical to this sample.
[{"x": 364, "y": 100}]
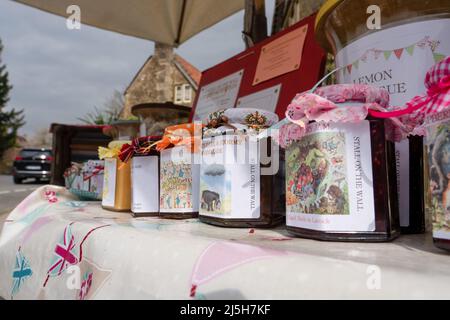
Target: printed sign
[
  {"x": 180, "y": 179},
  {"x": 109, "y": 183},
  {"x": 218, "y": 95},
  {"x": 266, "y": 99},
  {"x": 145, "y": 184},
  {"x": 329, "y": 179},
  {"x": 230, "y": 178},
  {"x": 281, "y": 56}
]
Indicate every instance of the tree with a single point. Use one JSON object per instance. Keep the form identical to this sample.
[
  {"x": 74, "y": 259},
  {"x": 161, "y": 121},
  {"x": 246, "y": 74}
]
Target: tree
[
  {"x": 110, "y": 112},
  {"x": 10, "y": 121}
]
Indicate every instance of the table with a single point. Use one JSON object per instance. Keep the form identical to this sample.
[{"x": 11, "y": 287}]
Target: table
[{"x": 53, "y": 246}]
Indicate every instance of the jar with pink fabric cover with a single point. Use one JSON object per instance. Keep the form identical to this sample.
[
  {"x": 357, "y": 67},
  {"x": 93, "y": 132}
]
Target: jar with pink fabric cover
[{"x": 340, "y": 165}]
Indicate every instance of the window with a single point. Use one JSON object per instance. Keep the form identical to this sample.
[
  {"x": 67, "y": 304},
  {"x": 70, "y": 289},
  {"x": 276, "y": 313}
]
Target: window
[
  {"x": 178, "y": 94},
  {"x": 187, "y": 93},
  {"x": 183, "y": 93}
]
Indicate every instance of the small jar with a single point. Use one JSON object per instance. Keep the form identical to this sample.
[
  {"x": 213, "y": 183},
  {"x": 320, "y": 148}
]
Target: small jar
[
  {"x": 116, "y": 179},
  {"x": 241, "y": 183},
  {"x": 340, "y": 168},
  {"x": 144, "y": 171}
]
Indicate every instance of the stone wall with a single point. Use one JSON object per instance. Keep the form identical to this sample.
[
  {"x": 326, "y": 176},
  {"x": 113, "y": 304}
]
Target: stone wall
[{"x": 156, "y": 81}]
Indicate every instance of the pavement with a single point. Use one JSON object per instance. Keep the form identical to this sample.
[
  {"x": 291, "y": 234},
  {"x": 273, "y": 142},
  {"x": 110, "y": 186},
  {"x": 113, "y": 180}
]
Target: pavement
[{"x": 12, "y": 194}]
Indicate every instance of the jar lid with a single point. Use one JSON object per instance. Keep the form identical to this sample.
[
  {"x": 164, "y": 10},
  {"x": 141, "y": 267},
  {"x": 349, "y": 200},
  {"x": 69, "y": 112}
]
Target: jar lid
[
  {"x": 324, "y": 11},
  {"x": 251, "y": 117}
]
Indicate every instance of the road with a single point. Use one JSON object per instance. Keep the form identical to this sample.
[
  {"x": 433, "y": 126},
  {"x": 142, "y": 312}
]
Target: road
[{"x": 12, "y": 194}]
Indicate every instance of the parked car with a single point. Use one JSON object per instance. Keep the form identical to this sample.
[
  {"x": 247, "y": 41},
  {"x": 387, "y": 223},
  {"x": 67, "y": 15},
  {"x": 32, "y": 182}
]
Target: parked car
[{"x": 32, "y": 163}]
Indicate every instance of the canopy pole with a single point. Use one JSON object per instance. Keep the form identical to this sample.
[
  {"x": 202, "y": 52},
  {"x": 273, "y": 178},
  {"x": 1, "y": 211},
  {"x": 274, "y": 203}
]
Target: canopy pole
[
  {"x": 255, "y": 22},
  {"x": 180, "y": 25}
]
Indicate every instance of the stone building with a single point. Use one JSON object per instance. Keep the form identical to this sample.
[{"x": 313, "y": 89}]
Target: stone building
[{"x": 164, "y": 77}]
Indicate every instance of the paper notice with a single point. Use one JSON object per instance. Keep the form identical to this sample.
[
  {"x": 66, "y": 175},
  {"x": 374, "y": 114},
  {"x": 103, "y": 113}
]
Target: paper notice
[
  {"x": 281, "y": 56},
  {"x": 266, "y": 99}
]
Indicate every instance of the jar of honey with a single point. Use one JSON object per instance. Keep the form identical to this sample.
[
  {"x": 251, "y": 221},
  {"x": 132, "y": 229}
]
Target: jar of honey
[
  {"x": 116, "y": 178},
  {"x": 340, "y": 167},
  {"x": 241, "y": 183}
]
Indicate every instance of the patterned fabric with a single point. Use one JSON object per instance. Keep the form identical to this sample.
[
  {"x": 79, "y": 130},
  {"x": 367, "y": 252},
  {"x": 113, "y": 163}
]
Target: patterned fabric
[
  {"x": 115, "y": 256},
  {"x": 336, "y": 103},
  {"x": 437, "y": 98}
]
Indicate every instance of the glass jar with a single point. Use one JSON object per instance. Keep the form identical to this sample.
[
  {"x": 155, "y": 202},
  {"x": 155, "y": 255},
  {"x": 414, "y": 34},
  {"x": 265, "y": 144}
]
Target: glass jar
[
  {"x": 237, "y": 189},
  {"x": 411, "y": 33},
  {"x": 180, "y": 183},
  {"x": 116, "y": 185},
  {"x": 340, "y": 166}
]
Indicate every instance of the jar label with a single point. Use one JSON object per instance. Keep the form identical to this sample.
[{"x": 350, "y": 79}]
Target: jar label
[
  {"x": 329, "y": 184},
  {"x": 109, "y": 183},
  {"x": 180, "y": 181},
  {"x": 145, "y": 184},
  {"x": 230, "y": 177},
  {"x": 437, "y": 143},
  {"x": 396, "y": 59}
]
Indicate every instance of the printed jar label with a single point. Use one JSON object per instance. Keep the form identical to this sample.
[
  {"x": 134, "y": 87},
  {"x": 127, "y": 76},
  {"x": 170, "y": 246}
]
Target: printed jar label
[
  {"x": 329, "y": 184},
  {"x": 397, "y": 59},
  {"x": 230, "y": 177},
  {"x": 145, "y": 184},
  {"x": 180, "y": 181},
  {"x": 437, "y": 143},
  {"x": 109, "y": 183}
]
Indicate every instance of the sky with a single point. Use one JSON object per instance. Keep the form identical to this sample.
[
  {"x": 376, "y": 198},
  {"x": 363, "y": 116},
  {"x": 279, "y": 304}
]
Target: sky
[{"x": 59, "y": 75}]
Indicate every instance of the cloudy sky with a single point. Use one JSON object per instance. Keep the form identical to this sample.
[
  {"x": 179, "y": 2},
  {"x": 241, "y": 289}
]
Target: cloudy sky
[{"x": 60, "y": 74}]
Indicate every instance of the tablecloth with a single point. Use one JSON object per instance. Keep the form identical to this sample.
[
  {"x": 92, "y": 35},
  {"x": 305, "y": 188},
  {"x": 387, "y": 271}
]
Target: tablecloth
[{"x": 53, "y": 246}]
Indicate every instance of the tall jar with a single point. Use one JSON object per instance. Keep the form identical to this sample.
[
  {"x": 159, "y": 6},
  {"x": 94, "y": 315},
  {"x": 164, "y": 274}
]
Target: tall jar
[
  {"x": 180, "y": 171},
  {"x": 116, "y": 178},
  {"x": 340, "y": 167},
  {"x": 395, "y": 55},
  {"x": 241, "y": 183}
]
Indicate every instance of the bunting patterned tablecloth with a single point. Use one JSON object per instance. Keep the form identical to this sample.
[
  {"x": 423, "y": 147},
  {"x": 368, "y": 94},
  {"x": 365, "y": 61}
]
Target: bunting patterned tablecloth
[{"x": 53, "y": 246}]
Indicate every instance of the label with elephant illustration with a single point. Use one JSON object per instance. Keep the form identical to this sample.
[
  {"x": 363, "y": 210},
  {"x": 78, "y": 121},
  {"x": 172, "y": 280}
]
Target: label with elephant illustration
[
  {"x": 329, "y": 184},
  {"x": 438, "y": 155},
  {"x": 230, "y": 177},
  {"x": 179, "y": 181}
]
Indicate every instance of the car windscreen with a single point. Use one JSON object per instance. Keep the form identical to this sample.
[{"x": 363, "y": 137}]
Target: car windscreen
[{"x": 33, "y": 153}]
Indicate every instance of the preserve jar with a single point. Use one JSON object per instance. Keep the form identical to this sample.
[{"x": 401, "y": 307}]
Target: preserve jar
[
  {"x": 144, "y": 170},
  {"x": 116, "y": 178},
  {"x": 241, "y": 183},
  {"x": 340, "y": 167},
  {"x": 180, "y": 171},
  {"x": 391, "y": 47},
  {"x": 432, "y": 119}
]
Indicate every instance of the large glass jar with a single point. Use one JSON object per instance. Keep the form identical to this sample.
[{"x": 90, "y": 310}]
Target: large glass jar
[{"x": 395, "y": 54}]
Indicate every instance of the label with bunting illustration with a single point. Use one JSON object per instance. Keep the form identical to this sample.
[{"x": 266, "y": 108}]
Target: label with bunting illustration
[{"x": 397, "y": 59}]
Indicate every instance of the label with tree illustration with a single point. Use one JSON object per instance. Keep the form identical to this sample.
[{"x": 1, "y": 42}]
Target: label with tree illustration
[
  {"x": 438, "y": 152},
  {"x": 109, "y": 183},
  {"x": 329, "y": 184},
  {"x": 180, "y": 178},
  {"x": 385, "y": 59},
  {"x": 230, "y": 177}
]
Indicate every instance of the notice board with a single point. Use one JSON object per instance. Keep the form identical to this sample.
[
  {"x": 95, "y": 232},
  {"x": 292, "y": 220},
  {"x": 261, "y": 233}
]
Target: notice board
[{"x": 266, "y": 76}]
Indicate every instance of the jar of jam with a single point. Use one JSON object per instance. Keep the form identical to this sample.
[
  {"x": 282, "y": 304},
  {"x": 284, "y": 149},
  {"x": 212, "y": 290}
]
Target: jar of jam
[
  {"x": 340, "y": 167},
  {"x": 144, "y": 164},
  {"x": 116, "y": 178},
  {"x": 241, "y": 184},
  {"x": 180, "y": 171}
]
